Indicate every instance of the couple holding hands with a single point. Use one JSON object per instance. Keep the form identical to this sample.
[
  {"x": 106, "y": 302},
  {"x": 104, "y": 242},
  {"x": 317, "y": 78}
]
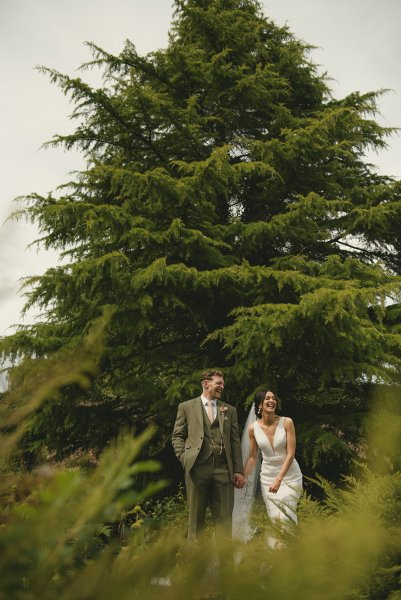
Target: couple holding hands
[{"x": 218, "y": 471}]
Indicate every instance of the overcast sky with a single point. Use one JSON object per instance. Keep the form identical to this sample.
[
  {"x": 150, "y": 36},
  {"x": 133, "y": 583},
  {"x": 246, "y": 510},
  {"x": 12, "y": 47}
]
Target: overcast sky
[{"x": 358, "y": 44}]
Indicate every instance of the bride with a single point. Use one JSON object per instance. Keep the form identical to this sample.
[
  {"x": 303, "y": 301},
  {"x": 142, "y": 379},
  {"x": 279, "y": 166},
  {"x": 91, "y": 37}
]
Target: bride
[{"x": 280, "y": 475}]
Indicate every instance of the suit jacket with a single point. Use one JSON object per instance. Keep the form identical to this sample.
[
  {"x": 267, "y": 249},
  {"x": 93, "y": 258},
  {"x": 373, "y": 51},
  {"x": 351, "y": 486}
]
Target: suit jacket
[{"x": 188, "y": 433}]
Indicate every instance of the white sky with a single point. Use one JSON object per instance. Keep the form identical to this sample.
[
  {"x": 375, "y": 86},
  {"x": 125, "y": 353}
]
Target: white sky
[{"x": 358, "y": 42}]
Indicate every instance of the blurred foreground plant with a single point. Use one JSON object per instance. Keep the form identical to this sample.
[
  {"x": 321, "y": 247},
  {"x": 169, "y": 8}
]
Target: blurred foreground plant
[{"x": 53, "y": 520}]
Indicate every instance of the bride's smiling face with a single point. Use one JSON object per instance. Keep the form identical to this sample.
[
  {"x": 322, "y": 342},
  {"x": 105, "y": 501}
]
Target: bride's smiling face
[{"x": 269, "y": 403}]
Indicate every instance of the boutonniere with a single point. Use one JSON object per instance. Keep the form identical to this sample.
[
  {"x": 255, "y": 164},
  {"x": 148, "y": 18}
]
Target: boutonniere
[{"x": 223, "y": 410}]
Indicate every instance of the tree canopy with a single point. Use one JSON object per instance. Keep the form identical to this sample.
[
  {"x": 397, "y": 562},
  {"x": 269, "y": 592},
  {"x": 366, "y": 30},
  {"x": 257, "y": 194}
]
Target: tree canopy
[{"x": 229, "y": 216}]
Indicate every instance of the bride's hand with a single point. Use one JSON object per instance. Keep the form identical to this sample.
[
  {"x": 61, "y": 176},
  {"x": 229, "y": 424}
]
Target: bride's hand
[
  {"x": 275, "y": 486},
  {"x": 238, "y": 480}
]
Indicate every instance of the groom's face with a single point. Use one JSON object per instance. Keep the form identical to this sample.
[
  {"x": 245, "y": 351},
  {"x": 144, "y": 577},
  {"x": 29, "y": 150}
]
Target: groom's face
[{"x": 214, "y": 387}]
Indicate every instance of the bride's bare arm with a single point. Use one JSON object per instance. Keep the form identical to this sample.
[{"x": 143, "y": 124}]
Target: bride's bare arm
[{"x": 253, "y": 453}]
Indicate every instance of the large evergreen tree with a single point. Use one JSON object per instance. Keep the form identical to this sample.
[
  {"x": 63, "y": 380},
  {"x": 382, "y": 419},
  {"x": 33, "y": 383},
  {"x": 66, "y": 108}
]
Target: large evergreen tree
[{"x": 229, "y": 216}]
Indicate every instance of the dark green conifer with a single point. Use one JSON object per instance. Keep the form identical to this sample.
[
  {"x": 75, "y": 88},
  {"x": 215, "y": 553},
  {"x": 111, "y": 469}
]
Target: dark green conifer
[{"x": 229, "y": 216}]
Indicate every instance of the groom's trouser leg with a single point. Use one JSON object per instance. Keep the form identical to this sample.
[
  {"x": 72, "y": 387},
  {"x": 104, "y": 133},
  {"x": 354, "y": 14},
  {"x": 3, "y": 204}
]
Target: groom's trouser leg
[
  {"x": 198, "y": 483},
  {"x": 221, "y": 504},
  {"x": 222, "y": 500}
]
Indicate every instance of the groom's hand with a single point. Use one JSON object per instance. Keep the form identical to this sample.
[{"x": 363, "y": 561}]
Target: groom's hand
[{"x": 238, "y": 480}]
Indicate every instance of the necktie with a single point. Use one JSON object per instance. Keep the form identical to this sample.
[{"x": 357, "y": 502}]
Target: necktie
[{"x": 210, "y": 411}]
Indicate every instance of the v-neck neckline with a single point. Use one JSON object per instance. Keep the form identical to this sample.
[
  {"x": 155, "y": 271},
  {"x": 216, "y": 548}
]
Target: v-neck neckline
[{"x": 272, "y": 445}]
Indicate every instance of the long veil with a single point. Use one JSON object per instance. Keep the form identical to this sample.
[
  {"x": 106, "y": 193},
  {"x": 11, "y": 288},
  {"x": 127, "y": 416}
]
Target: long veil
[{"x": 244, "y": 498}]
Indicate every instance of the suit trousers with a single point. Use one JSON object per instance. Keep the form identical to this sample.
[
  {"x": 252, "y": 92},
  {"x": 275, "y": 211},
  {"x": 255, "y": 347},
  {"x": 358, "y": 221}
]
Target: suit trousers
[{"x": 208, "y": 483}]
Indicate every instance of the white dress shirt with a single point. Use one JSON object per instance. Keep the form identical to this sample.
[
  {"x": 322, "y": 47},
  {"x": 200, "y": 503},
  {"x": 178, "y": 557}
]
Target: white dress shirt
[{"x": 214, "y": 406}]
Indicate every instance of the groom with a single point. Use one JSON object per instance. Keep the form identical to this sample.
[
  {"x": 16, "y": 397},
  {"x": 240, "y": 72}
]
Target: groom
[{"x": 207, "y": 443}]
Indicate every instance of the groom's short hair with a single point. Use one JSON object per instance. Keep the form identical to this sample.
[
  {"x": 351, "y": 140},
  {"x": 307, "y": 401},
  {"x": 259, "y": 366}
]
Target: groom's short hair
[{"x": 210, "y": 373}]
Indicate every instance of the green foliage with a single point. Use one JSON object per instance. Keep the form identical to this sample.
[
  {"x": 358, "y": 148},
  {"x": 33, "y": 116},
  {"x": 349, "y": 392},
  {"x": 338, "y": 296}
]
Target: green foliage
[
  {"x": 53, "y": 520},
  {"x": 169, "y": 513},
  {"x": 227, "y": 213},
  {"x": 56, "y": 521}
]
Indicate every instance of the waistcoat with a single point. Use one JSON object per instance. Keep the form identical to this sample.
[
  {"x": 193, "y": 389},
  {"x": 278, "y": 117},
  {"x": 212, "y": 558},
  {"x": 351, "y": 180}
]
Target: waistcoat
[{"x": 212, "y": 440}]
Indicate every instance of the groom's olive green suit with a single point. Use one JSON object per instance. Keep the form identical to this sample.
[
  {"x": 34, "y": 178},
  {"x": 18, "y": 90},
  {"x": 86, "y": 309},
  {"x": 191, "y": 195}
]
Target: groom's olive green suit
[{"x": 210, "y": 454}]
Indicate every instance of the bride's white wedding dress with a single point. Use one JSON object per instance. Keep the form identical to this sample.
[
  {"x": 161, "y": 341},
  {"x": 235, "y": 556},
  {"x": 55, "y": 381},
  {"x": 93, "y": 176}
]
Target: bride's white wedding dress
[
  {"x": 279, "y": 505},
  {"x": 283, "y": 503}
]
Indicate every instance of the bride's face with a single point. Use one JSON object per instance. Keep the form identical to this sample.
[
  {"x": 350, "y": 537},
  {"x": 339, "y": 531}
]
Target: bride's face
[{"x": 269, "y": 403}]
